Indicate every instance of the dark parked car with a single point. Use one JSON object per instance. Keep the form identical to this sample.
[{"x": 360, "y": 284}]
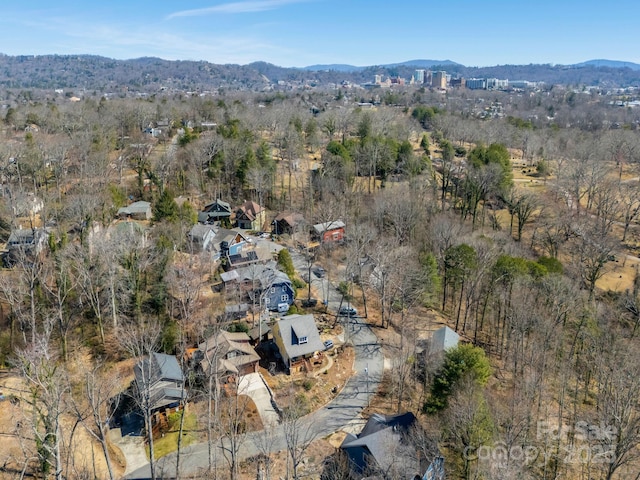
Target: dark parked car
[
  {"x": 319, "y": 272},
  {"x": 348, "y": 311}
]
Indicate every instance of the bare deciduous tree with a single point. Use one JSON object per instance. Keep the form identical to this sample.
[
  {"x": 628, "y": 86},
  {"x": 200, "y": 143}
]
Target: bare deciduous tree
[
  {"x": 48, "y": 389},
  {"x": 140, "y": 341}
]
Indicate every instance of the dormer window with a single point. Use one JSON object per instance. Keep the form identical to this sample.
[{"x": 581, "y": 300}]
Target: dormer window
[{"x": 302, "y": 340}]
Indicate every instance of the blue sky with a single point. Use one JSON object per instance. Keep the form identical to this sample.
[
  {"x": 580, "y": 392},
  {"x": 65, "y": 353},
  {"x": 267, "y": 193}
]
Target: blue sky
[{"x": 305, "y": 32}]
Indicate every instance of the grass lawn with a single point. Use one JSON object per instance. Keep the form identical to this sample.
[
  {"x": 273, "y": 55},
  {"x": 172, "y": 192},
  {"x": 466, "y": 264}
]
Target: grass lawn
[{"x": 168, "y": 443}]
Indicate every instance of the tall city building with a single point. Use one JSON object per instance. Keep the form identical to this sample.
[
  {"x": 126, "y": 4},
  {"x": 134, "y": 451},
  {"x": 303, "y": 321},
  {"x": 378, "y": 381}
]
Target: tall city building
[
  {"x": 439, "y": 80},
  {"x": 418, "y": 76}
]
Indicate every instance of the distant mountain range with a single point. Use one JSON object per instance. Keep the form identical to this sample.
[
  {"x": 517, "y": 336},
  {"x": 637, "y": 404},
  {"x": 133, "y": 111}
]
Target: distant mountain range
[
  {"x": 340, "y": 67},
  {"x": 410, "y": 63},
  {"x": 148, "y": 74},
  {"x": 609, "y": 63}
]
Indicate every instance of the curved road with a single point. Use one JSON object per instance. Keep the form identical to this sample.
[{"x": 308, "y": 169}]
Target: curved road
[{"x": 347, "y": 404}]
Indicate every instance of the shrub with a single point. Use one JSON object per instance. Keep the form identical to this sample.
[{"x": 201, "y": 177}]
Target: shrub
[
  {"x": 293, "y": 309},
  {"x": 239, "y": 327}
]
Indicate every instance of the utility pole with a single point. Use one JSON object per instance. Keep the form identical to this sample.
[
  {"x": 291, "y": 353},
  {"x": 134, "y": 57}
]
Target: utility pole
[{"x": 366, "y": 371}]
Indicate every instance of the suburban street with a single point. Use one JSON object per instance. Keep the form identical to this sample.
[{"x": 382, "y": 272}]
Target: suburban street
[{"x": 338, "y": 413}]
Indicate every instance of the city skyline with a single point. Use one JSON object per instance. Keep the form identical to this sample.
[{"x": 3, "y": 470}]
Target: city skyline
[{"x": 299, "y": 33}]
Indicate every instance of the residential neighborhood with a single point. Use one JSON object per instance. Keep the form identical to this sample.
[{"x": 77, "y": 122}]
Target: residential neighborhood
[{"x": 412, "y": 272}]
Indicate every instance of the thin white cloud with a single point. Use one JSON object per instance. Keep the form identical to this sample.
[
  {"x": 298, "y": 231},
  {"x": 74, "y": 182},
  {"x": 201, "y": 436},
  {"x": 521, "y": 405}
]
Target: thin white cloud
[{"x": 235, "y": 7}]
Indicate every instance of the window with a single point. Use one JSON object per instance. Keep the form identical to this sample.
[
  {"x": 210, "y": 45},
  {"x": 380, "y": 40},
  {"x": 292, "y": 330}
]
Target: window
[
  {"x": 273, "y": 289},
  {"x": 267, "y": 301},
  {"x": 302, "y": 340},
  {"x": 284, "y": 298}
]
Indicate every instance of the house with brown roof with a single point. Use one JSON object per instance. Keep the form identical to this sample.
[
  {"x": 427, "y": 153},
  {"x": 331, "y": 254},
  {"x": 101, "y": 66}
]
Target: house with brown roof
[
  {"x": 250, "y": 216},
  {"x": 287, "y": 223},
  {"x": 228, "y": 355}
]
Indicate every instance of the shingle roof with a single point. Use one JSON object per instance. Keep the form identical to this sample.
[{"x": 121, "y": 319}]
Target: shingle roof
[
  {"x": 250, "y": 209},
  {"x": 162, "y": 375},
  {"x": 198, "y": 231},
  {"x": 265, "y": 275},
  {"x": 377, "y": 440},
  {"x": 326, "y": 226},
  {"x": 443, "y": 339},
  {"x": 293, "y": 326},
  {"x": 25, "y": 236},
  {"x": 218, "y": 348},
  {"x": 291, "y": 218},
  {"x": 218, "y": 202},
  {"x": 164, "y": 366},
  {"x": 135, "y": 207}
]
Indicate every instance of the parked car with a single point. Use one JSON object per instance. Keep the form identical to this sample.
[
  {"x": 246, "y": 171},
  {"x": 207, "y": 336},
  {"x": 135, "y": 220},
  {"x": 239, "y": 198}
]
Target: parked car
[
  {"x": 348, "y": 311},
  {"x": 319, "y": 271},
  {"x": 328, "y": 344}
]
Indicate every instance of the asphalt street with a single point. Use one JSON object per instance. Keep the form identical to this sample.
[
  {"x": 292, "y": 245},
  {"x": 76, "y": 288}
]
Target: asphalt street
[{"x": 345, "y": 406}]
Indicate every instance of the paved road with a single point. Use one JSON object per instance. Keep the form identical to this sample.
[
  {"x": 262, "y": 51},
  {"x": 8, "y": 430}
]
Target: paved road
[
  {"x": 332, "y": 417},
  {"x": 346, "y": 406}
]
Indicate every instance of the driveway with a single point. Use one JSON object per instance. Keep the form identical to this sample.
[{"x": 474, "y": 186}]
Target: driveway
[
  {"x": 132, "y": 447},
  {"x": 339, "y": 413},
  {"x": 254, "y": 386}
]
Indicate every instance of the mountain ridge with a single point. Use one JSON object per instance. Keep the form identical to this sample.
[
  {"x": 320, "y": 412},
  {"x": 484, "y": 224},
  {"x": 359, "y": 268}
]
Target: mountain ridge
[
  {"x": 420, "y": 63},
  {"x": 149, "y": 74}
]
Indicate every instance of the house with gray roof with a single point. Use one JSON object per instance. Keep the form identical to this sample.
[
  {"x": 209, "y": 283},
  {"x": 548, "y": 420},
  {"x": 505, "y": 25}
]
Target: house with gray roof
[
  {"x": 25, "y": 243},
  {"x": 442, "y": 340},
  {"x": 215, "y": 212},
  {"x": 136, "y": 211},
  {"x": 160, "y": 377},
  {"x": 329, "y": 232},
  {"x": 383, "y": 448},
  {"x": 26, "y": 205},
  {"x": 297, "y": 339},
  {"x": 273, "y": 287},
  {"x": 200, "y": 237},
  {"x": 227, "y": 243}
]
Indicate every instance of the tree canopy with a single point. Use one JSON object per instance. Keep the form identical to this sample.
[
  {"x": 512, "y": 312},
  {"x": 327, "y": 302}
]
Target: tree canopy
[{"x": 462, "y": 361}]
